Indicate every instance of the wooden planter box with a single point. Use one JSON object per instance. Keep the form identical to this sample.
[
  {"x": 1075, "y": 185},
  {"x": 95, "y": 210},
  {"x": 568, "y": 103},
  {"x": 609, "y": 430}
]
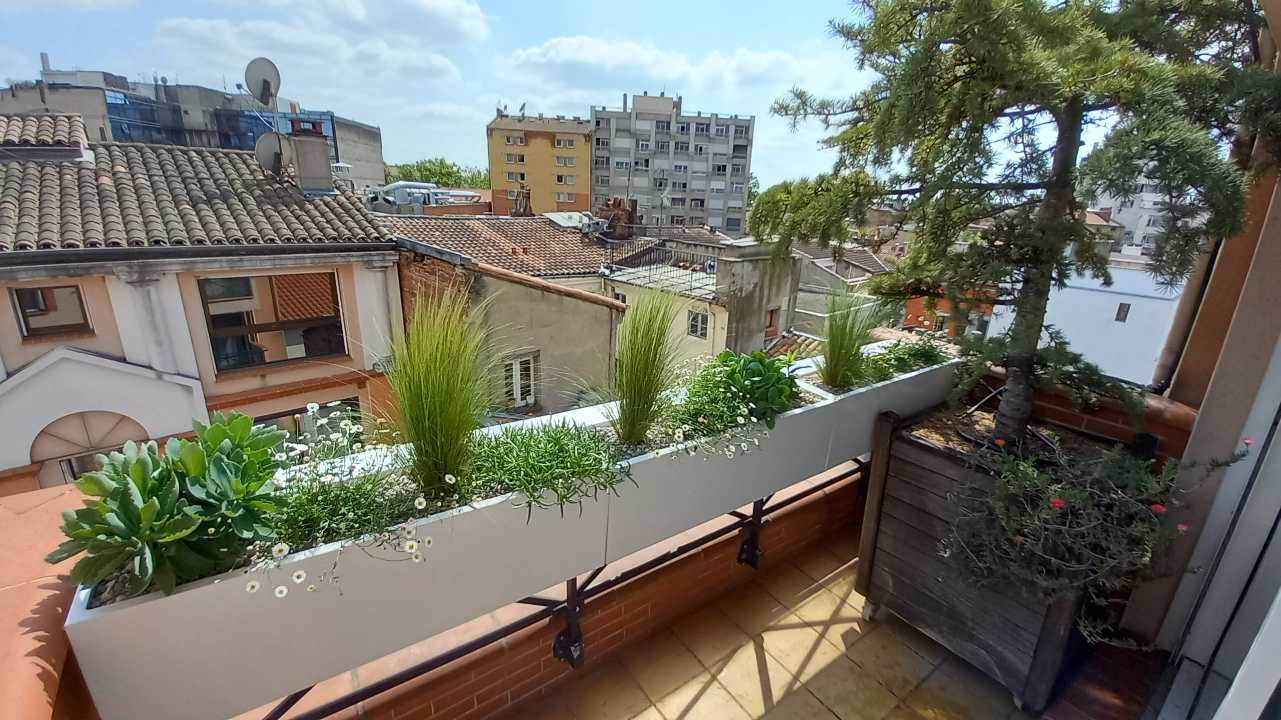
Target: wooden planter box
[{"x": 1020, "y": 640}]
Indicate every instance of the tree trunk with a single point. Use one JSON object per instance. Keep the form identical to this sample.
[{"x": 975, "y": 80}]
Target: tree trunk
[{"x": 1018, "y": 402}]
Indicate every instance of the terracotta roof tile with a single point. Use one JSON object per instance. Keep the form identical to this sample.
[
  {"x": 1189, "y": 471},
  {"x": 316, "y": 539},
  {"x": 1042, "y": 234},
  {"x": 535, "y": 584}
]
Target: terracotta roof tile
[
  {"x": 804, "y": 346},
  {"x": 544, "y": 124},
  {"x": 138, "y": 195},
  {"x": 46, "y": 130},
  {"x": 531, "y": 246}
]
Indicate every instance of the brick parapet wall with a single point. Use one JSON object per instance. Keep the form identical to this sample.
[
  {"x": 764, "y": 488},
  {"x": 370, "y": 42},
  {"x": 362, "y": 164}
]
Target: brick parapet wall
[
  {"x": 507, "y": 675},
  {"x": 1169, "y": 421}
]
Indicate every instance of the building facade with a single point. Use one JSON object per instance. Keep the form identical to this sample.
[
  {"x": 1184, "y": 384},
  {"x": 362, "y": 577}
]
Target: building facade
[
  {"x": 167, "y": 285},
  {"x": 549, "y": 157},
  {"x": 1141, "y": 214},
  {"x": 116, "y": 109},
  {"x": 682, "y": 169}
]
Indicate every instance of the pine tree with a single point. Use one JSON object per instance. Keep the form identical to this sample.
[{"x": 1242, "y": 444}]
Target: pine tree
[{"x": 976, "y": 120}]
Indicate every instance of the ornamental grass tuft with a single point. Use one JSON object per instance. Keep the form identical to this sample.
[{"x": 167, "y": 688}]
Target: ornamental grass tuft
[
  {"x": 850, "y": 321},
  {"x": 646, "y": 370}
]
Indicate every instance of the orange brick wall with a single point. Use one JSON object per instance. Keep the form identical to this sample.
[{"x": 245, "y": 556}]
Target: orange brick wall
[
  {"x": 480, "y": 208},
  {"x": 424, "y": 275},
  {"x": 506, "y": 675},
  {"x": 1170, "y": 421}
]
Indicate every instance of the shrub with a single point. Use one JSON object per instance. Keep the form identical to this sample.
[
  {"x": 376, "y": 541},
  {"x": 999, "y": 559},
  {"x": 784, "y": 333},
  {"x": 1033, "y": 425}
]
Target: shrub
[
  {"x": 762, "y": 382},
  {"x": 179, "y": 517},
  {"x": 903, "y": 356},
  {"x": 568, "y": 461},
  {"x": 710, "y": 406},
  {"x": 850, "y": 321},
  {"x": 326, "y": 509},
  {"x": 445, "y": 383},
  {"x": 645, "y": 372}
]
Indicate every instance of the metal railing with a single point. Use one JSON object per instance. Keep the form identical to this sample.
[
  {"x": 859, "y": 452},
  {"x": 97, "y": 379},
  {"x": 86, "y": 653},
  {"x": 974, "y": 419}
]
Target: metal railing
[{"x": 569, "y": 643}]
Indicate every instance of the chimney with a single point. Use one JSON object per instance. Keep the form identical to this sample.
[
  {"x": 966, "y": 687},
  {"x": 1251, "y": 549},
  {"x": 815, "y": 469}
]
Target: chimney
[
  {"x": 44, "y": 62},
  {"x": 624, "y": 102},
  {"x": 312, "y": 169}
]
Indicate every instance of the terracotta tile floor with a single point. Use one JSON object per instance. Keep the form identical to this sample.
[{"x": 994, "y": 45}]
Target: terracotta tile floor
[{"x": 790, "y": 646}]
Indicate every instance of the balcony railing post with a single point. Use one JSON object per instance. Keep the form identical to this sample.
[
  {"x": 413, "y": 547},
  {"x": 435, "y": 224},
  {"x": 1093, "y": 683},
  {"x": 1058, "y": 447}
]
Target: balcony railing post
[
  {"x": 749, "y": 553},
  {"x": 568, "y": 645}
]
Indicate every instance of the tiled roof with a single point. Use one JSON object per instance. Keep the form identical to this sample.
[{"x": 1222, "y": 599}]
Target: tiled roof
[
  {"x": 157, "y": 195},
  {"x": 527, "y": 245},
  {"x": 544, "y": 124},
  {"x": 802, "y": 345},
  {"x": 48, "y": 130}
]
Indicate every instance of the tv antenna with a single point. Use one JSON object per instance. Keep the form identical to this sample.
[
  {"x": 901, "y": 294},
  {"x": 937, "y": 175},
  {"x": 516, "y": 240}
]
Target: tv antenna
[{"x": 262, "y": 81}]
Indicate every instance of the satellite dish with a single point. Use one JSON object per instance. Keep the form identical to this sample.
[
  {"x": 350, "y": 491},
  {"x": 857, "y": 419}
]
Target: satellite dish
[
  {"x": 274, "y": 151},
  {"x": 164, "y": 80},
  {"x": 262, "y": 80}
]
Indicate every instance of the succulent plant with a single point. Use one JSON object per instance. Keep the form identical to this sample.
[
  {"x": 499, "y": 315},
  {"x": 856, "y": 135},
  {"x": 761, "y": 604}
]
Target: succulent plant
[
  {"x": 229, "y": 474},
  {"x": 761, "y": 380}
]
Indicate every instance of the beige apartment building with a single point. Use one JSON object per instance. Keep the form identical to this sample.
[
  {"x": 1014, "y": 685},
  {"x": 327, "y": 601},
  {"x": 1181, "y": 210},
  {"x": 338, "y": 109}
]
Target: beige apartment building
[{"x": 550, "y": 157}]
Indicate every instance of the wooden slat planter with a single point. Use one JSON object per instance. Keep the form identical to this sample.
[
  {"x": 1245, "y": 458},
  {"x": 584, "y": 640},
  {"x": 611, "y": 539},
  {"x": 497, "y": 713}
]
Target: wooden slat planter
[{"x": 1021, "y": 641}]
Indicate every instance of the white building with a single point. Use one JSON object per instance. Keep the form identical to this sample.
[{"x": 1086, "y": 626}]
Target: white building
[
  {"x": 1121, "y": 328},
  {"x": 1141, "y": 214},
  {"x": 681, "y": 169}
]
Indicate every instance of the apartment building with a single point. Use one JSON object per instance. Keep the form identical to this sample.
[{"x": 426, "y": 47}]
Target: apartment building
[
  {"x": 681, "y": 168},
  {"x": 115, "y": 108},
  {"x": 148, "y": 286},
  {"x": 1141, "y": 214},
  {"x": 549, "y": 157}
]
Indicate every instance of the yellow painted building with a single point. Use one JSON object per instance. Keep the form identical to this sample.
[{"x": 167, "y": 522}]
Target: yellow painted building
[{"x": 551, "y": 156}]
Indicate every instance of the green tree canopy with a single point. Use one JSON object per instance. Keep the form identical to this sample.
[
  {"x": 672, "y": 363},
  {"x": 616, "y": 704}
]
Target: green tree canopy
[
  {"x": 440, "y": 171},
  {"x": 975, "y": 122}
]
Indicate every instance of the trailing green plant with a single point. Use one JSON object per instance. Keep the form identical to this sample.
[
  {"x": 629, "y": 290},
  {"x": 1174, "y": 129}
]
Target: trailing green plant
[
  {"x": 328, "y": 508},
  {"x": 761, "y": 381},
  {"x": 1084, "y": 524},
  {"x": 851, "y": 319},
  {"x": 904, "y": 356},
  {"x": 554, "y": 464},
  {"x": 444, "y": 379},
  {"x": 645, "y": 372},
  {"x": 181, "y": 516}
]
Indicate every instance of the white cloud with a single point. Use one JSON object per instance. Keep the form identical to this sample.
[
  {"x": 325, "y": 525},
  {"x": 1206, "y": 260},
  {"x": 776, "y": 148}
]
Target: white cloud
[
  {"x": 8, "y": 6},
  {"x": 434, "y": 20}
]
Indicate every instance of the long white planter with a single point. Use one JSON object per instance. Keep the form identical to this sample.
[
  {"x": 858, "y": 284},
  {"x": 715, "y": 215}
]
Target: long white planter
[{"x": 213, "y": 650}]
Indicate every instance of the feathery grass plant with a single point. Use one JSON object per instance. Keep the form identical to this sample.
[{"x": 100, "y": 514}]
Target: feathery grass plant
[
  {"x": 851, "y": 319},
  {"x": 444, "y": 379},
  {"x": 646, "y": 369}
]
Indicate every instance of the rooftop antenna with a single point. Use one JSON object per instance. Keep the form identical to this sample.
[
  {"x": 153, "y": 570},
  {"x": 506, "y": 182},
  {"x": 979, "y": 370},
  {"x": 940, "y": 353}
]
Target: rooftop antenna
[
  {"x": 522, "y": 110},
  {"x": 262, "y": 81}
]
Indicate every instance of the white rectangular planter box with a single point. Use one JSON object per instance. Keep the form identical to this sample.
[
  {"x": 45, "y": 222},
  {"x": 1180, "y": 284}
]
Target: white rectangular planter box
[{"x": 212, "y": 650}]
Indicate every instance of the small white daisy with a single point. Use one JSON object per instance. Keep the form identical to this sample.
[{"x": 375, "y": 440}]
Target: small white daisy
[
  {"x": 420, "y": 503},
  {"x": 411, "y": 546},
  {"x": 322, "y": 421},
  {"x": 358, "y": 428},
  {"x": 450, "y": 479},
  {"x": 312, "y": 407},
  {"x": 741, "y": 420},
  {"x": 311, "y": 588},
  {"x": 335, "y": 436},
  {"x": 252, "y": 586},
  {"x": 280, "y": 550},
  {"x": 753, "y": 419},
  {"x": 299, "y": 576},
  {"x": 409, "y": 531},
  {"x": 756, "y": 442},
  {"x": 335, "y": 403},
  {"x": 679, "y": 435},
  {"x": 281, "y": 591},
  {"x": 427, "y": 541},
  {"x": 744, "y": 446},
  {"x": 418, "y": 557}
]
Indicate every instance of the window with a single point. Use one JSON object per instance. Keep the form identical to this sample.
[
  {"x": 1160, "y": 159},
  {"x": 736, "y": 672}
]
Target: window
[
  {"x": 662, "y": 126},
  {"x": 771, "y": 323},
  {"x": 569, "y": 179},
  {"x": 700, "y": 149},
  {"x": 45, "y": 311},
  {"x": 602, "y": 179},
  {"x": 697, "y": 322},
  {"x": 518, "y": 377},
  {"x": 510, "y": 141},
  {"x": 678, "y": 219},
  {"x": 682, "y": 147},
  {"x": 664, "y": 146},
  {"x": 678, "y": 202},
  {"x": 721, "y": 131},
  {"x": 682, "y": 127},
  {"x": 511, "y": 194},
  {"x": 560, "y": 161},
  {"x": 697, "y": 202},
  {"x": 520, "y": 139},
  {"x": 660, "y": 183},
  {"x": 621, "y": 297},
  {"x": 268, "y": 319},
  {"x": 718, "y": 168},
  {"x": 736, "y": 169},
  {"x": 679, "y": 185},
  {"x": 560, "y": 179},
  {"x": 642, "y": 164},
  {"x": 736, "y": 188},
  {"x": 1122, "y": 312},
  {"x": 702, "y": 128},
  {"x": 520, "y": 177},
  {"x": 569, "y": 161},
  {"x": 1154, "y": 221},
  {"x": 511, "y": 177},
  {"x": 601, "y": 162},
  {"x": 511, "y": 158},
  {"x": 716, "y": 190},
  {"x": 680, "y": 167},
  {"x": 733, "y": 223},
  {"x": 560, "y": 142},
  {"x": 622, "y": 164},
  {"x": 569, "y": 197},
  {"x": 569, "y": 143},
  {"x": 560, "y": 197},
  {"x": 602, "y": 122},
  {"x": 602, "y": 142},
  {"x": 740, "y": 131},
  {"x": 520, "y": 159}
]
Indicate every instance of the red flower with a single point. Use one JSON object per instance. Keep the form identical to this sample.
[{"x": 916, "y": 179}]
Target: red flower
[
  {"x": 1158, "y": 508},
  {"x": 1000, "y": 442},
  {"x": 1183, "y": 528},
  {"x": 1057, "y": 503},
  {"x": 1247, "y": 441}
]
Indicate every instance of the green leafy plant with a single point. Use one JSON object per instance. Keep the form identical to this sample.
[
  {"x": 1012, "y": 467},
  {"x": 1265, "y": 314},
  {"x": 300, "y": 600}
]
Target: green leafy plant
[
  {"x": 554, "y": 464},
  {"x": 646, "y": 369},
  {"x": 761, "y": 381},
  {"x": 325, "y": 508},
  {"x": 709, "y": 407},
  {"x": 848, "y": 329},
  {"x": 444, "y": 380},
  {"x": 904, "y": 356},
  {"x": 188, "y": 514},
  {"x": 1083, "y": 524}
]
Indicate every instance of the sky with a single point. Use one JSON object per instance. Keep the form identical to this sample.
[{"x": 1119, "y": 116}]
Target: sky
[{"x": 431, "y": 72}]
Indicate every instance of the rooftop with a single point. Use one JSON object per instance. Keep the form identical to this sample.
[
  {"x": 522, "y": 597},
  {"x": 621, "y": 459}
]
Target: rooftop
[
  {"x": 134, "y": 195},
  {"x": 854, "y": 254},
  {"x": 559, "y": 123},
  {"x": 51, "y": 130}
]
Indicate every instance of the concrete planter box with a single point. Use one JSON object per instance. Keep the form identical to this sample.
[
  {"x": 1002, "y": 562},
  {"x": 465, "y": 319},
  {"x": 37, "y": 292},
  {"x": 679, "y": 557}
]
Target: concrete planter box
[{"x": 212, "y": 650}]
